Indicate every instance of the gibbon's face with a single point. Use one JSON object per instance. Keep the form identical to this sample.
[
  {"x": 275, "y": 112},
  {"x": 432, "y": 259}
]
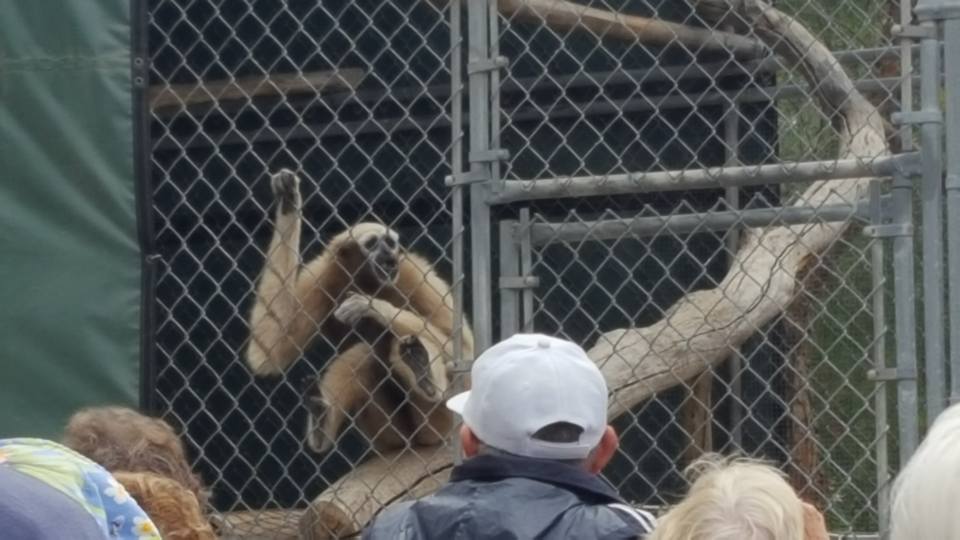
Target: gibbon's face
[{"x": 381, "y": 251}]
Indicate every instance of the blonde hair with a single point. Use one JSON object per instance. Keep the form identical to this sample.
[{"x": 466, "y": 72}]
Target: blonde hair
[
  {"x": 121, "y": 439},
  {"x": 173, "y": 508},
  {"x": 734, "y": 499},
  {"x": 927, "y": 489}
]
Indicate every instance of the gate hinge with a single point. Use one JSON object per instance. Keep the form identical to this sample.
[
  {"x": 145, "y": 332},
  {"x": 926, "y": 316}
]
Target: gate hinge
[
  {"x": 483, "y": 65},
  {"x": 888, "y": 230},
  {"x": 519, "y": 282},
  {"x": 891, "y": 374},
  {"x": 913, "y": 31}
]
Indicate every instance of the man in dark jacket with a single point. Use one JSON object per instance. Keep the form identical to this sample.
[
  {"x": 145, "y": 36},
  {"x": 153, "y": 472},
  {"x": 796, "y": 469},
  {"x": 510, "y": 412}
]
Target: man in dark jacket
[{"x": 535, "y": 436}]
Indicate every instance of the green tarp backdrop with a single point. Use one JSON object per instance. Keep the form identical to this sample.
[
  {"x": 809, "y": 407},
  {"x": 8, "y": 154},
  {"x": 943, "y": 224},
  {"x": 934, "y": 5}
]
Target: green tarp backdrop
[{"x": 70, "y": 266}]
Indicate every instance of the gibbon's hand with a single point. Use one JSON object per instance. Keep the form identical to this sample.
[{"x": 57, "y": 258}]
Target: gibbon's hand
[
  {"x": 353, "y": 308},
  {"x": 286, "y": 189},
  {"x": 417, "y": 359}
]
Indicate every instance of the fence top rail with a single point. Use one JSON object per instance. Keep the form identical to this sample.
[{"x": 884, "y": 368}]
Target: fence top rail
[
  {"x": 543, "y": 233},
  {"x": 709, "y": 178}
]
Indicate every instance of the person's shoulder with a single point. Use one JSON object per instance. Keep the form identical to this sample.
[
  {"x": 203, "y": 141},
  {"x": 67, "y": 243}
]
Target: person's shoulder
[
  {"x": 390, "y": 522},
  {"x": 634, "y": 517},
  {"x": 615, "y": 520}
]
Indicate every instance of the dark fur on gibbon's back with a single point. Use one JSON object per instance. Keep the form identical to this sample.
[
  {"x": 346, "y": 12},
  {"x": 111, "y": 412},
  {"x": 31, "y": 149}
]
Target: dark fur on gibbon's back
[{"x": 386, "y": 310}]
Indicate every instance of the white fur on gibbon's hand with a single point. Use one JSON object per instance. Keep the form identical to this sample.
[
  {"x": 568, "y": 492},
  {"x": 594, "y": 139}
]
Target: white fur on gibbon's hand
[{"x": 353, "y": 308}]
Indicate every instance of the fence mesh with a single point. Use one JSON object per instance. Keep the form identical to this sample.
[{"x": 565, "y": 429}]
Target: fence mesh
[
  {"x": 582, "y": 100},
  {"x": 356, "y": 97}
]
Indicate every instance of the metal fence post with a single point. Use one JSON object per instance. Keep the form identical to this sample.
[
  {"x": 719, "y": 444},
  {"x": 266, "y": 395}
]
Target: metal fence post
[
  {"x": 952, "y": 76},
  {"x": 931, "y": 141},
  {"x": 508, "y": 285},
  {"x": 904, "y": 284},
  {"x": 879, "y": 363},
  {"x": 481, "y": 246},
  {"x": 949, "y": 13}
]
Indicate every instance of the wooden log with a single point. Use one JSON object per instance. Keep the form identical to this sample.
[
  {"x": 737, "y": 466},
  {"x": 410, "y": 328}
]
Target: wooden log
[
  {"x": 804, "y": 465},
  {"x": 564, "y": 15},
  {"x": 278, "y": 84},
  {"x": 250, "y": 524},
  {"x": 345, "y": 507},
  {"x": 696, "y": 417}
]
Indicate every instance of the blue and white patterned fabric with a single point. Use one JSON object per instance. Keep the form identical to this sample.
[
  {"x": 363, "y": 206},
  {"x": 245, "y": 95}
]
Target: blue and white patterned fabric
[{"x": 87, "y": 483}]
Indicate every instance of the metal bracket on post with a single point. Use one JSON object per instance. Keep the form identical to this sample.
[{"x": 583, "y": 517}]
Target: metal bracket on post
[
  {"x": 489, "y": 156},
  {"x": 891, "y": 374},
  {"x": 519, "y": 282},
  {"x": 916, "y": 118},
  {"x": 484, "y": 65},
  {"x": 913, "y": 31},
  {"x": 952, "y": 183},
  {"x": 477, "y": 176},
  {"x": 888, "y": 230},
  {"x": 466, "y": 178}
]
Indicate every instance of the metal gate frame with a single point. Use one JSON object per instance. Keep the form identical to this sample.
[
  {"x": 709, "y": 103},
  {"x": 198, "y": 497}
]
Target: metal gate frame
[{"x": 890, "y": 217}]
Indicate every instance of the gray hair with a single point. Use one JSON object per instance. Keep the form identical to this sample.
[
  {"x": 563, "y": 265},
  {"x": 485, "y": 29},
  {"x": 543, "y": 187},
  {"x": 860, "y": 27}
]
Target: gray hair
[
  {"x": 926, "y": 492},
  {"x": 734, "y": 499}
]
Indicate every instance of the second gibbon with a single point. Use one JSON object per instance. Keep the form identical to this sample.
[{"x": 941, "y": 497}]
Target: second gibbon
[{"x": 387, "y": 311}]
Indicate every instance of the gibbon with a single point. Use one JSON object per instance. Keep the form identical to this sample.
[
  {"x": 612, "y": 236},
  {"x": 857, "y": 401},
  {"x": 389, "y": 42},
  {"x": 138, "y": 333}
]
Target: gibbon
[{"x": 386, "y": 310}]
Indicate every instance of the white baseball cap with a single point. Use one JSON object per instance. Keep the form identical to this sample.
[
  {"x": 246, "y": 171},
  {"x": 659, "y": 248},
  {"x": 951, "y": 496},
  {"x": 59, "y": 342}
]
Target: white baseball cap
[{"x": 528, "y": 382}]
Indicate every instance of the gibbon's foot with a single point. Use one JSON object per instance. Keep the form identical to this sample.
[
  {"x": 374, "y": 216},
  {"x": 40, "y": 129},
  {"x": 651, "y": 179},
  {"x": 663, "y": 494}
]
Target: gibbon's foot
[
  {"x": 416, "y": 357},
  {"x": 353, "y": 308},
  {"x": 286, "y": 189},
  {"x": 317, "y": 439}
]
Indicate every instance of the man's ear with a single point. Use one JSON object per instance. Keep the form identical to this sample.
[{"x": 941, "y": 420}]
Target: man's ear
[
  {"x": 469, "y": 442},
  {"x": 604, "y": 451}
]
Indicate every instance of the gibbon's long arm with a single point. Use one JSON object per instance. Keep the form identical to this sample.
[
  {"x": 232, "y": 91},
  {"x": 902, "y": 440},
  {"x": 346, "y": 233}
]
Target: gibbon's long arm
[
  {"x": 290, "y": 304},
  {"x": 420, "y": 351}
]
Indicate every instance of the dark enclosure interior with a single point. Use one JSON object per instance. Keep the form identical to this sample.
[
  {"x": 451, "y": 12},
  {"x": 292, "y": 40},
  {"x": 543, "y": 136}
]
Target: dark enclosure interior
[{"x": 381, "y": 151}]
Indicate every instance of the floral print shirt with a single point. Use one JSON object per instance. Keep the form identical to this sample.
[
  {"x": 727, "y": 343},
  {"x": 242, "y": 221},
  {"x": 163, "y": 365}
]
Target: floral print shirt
[{"x": 89, "y": 484}]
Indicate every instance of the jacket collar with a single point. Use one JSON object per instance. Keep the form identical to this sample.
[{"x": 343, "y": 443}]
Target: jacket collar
[{"x": 569, "y": 477}]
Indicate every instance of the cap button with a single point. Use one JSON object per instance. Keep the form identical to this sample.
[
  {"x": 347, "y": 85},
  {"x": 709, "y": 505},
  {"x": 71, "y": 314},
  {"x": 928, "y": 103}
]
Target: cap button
[{"x": 543, "y": 343}]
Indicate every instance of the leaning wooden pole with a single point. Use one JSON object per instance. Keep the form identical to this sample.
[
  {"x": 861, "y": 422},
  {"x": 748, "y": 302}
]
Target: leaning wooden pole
[
  {"x": 564, "y": 15},
  {"x": 704, "y": 327}
]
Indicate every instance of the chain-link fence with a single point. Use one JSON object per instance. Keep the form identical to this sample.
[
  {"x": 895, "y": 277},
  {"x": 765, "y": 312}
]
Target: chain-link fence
[
  {"x": 591, "y": 106},
  {"x": 623, "y": 166},
  {"x": 355, "y": 97}
]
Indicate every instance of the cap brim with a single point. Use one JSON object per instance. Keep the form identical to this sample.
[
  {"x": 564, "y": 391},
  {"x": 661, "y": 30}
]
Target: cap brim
[{"x": 458, "y": 402}]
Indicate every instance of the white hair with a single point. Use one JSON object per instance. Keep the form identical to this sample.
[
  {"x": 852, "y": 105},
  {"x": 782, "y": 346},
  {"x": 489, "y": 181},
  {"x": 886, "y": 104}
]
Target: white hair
[
  {"x": 734, "y": 499},
  {"x": 926, "y": 492}
]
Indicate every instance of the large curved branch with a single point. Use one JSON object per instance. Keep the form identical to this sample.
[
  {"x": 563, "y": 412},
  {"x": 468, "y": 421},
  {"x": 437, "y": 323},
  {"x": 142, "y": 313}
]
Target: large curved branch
[{"x": 706, "y": 326}]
